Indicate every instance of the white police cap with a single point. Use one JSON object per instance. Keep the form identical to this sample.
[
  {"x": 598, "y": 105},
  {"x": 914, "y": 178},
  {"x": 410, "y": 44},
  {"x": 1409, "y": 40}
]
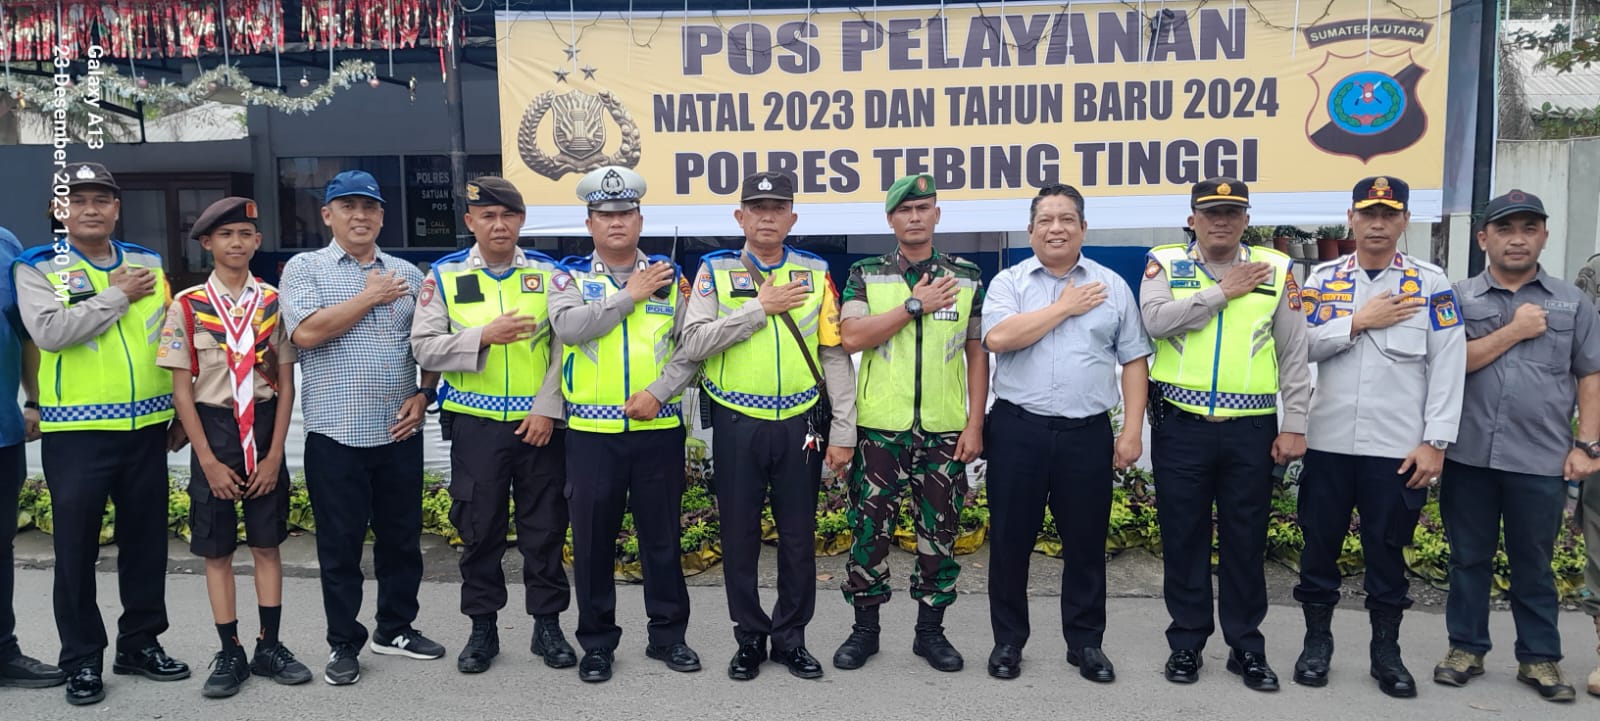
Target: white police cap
[{"x": 611, "y": 188}]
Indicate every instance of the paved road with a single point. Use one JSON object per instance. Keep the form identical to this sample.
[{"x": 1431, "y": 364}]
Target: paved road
[{"x": 895, "y": 685}]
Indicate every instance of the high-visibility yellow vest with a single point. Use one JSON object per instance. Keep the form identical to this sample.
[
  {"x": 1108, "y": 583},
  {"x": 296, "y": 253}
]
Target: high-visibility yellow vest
[
  {"x": 766, "y": 376},
  {"x": 919, "y": 375},
  {"x": 1230, "y": 366},
  {"x": 598, "y": 376},
  {"x": 112, "y": 382},
  {"x": 512, "y": 373}
]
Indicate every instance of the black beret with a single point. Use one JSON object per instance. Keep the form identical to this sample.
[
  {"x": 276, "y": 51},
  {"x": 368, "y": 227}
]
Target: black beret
[
  {"x": 494, "y": 190},
  {"x": 223, "y": 212}
]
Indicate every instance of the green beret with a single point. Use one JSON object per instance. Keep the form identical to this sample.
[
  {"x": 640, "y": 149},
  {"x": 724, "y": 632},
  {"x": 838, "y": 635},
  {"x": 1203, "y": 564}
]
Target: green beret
[{"x": 910, "y": 187}]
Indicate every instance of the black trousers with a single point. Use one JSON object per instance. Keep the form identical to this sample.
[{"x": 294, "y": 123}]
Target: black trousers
[
  {"x": 83, "y": 469},
  {"x": 754, "y": 459},
  {"x": 1330, "y": 486},
  {"x": 489, "y": 467},
  {"x": 1066, "y": 463},
  {"x": 352, "y": 488},
  {"x": 1199, "y": 463},
  {"x": 13, "y": 468},
  {"x": 607, "y": 474}
]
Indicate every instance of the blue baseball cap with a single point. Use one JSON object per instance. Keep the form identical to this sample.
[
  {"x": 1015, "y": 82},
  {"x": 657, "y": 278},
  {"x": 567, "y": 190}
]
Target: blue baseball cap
[{"x": 352, "y": 182}]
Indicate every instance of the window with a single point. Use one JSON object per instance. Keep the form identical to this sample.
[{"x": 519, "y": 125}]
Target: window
[
  {"x": 430, "y": 199},
  {"x": 302, "y": 183}
]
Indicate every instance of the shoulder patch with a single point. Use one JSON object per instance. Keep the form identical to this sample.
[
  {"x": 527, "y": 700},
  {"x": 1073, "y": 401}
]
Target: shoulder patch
[
  {"x": 1291, "y": 291},
  {"x": 704, "y": 285},
  {"x": 1152, "y": 268},
  {"x": 1442, "y": 310},
  {"x": 428, "y": 289},
  {"x": 561, "y": 280}
]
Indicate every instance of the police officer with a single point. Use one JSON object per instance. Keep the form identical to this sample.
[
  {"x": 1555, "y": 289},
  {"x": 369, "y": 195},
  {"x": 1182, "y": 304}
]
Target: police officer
[
  {"x": 616, "y": 314},
  {"x": 1532, "y": 351},
  {"x": 483, "y": 321},
  {"x": 19, "y": 367},
  {"x": 107, "y": 428},
  {"x": 1209, "y": 304},
  {"x": 765, "y": 321},
  {"x": 916, "y": 427},
  {"x": 1061, "y": 325},
  {"x": 1385, "y": 333}
]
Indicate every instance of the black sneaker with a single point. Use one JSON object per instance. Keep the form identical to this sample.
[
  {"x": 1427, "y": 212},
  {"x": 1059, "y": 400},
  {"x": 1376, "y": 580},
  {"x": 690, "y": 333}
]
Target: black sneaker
[
  {"x": 230, "y": 670},
  {"x": 409, "y": 643},
  {"x": 274, "y": 661},
  {"x": 343, "y": 669}
]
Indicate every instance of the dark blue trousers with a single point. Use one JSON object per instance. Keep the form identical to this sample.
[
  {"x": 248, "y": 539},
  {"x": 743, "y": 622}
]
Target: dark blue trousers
[
  {"x": 13, "y": 467},
  {"x": 1333, "y": 484},
  {"x": 1199, "y": 463},
  {"x": 1474, "y": 502}
]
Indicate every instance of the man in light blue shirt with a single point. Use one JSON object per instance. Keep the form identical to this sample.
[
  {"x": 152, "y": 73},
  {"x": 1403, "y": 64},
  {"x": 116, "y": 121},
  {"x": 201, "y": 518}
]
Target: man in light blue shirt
[
  {"x": 1060, "y": 324},
  {"x": 19, "y": 360}
]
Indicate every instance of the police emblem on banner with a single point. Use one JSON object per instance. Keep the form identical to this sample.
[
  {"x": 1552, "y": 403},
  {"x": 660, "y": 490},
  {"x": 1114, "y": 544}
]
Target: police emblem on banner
[
  {"x": 1366, "y": 104},
  {"x": 579, "y": 130}
]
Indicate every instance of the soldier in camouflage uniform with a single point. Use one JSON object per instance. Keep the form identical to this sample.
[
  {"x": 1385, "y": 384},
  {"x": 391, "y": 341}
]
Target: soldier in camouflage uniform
[{"x": 915, "y": 315}]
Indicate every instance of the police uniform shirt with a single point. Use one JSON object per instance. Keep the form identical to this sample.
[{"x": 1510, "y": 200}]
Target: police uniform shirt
[
  {"x": 54, "y": 326},
  {"x": 1516, "y": 411},
  {"x": 213, "y": 386},
  {"x": 709, "y": 328},
  {"x": 440, "y": 348},
  {"x": 1387, "y": 390},
  {"x": 1165, "y": 317},
  {"x": 576, "y": 321}
]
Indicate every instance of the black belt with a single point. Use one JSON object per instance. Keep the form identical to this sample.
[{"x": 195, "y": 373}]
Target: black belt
[{"x": 1055, "y": 423}]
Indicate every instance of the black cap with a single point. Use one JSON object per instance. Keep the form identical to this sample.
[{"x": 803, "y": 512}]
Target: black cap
[
  {"x": 1381, "y": 190},
  {"x": 768, "y": 185},
  {"x": 223, "y": 212},
  {"x": 1514, "y": 202},
  {"x": 494, "y": 190},
  {"x": 1219, "y": 192},
  {"x": 82, "y": 174}
]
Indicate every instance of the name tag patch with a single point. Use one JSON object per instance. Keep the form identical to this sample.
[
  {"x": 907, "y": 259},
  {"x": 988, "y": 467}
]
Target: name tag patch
[
  {"x": 947, "y": 314},
  {"x": 593, "y": 291},
  {"x": 658, "y": 308},
  {"x": 1561, "y": 305},
  {"x": 1183, "y": 283}
]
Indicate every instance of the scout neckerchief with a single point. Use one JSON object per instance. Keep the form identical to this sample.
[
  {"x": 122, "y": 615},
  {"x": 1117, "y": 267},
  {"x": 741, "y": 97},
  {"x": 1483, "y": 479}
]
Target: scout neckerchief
[{"x": 238, "y": 324}]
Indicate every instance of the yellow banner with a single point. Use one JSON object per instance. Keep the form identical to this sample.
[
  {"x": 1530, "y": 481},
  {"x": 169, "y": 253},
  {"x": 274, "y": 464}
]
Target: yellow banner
[{"x": 1298, "y": 100}]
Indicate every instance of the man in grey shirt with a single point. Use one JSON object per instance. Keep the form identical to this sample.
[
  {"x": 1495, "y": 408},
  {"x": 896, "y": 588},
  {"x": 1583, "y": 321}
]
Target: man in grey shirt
[
  {"x": 1531, "y": 352},
  {"x": 1060, "y": 325}
]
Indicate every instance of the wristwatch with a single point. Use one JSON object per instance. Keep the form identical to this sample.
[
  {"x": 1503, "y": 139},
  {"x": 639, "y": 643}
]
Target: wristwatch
[
  {"x": 914, "y": 307},
  {"x": 1441, "y": 445},
  {"x": 430, "y": 394},
  {"x": 31, "y": 404},
  {"x": 1590, "y": 447}
]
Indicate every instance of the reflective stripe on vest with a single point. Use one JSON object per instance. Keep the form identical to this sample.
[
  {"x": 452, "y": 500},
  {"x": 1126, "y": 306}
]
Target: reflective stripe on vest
[
  {"x": 765, "y": 376},
  {"x": 599, "y": 375},
  {"x": 1229, "y": 367},
  {"x": 512, "y": 374},
  {"x": 919, "y": 375},
  {"x": 111, "y": 382}
]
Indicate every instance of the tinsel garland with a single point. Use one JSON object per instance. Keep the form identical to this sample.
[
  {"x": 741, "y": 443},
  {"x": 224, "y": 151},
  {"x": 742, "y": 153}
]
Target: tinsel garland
[{"x": 114, "y": 87}]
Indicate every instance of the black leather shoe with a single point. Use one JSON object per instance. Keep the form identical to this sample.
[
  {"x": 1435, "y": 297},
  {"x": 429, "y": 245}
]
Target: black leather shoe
[
  {"x": 937, "y": 650},
  {"x": 152, "y": 663},
  {"x": 84, "y": 687},
  {"x": 550, "y": 644},
  {"x": 23, "y": 672},
  {"x": 746, "y": 663},
  {"x": 1005, "y": 661},
  {"x": 1183, "y": 666},
  {"x": 1253, "y": 668},
  {"x": 678, "y": 657},
  {"x": 800, "y": 662},
  {"x": 1092, "y": 664},
  {"x": 596, "y": 665}
]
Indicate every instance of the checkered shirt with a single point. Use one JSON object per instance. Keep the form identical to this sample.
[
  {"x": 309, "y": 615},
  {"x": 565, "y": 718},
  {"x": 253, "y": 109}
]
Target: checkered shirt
[{"x": 351, "y": 386}]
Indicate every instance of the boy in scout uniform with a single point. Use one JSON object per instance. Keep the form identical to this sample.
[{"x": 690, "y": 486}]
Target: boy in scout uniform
[
  {"x": 233, "y": 389},
  {"x": 765, "y": 321},
  {"x": 1207, "y": 303},
  {"x": 1386, "y": 335},
  {"x": 1532, "y": 353},
  {"x": 617, "y": 315},
  {"x": 94, "y": 306},
  {"x": 917, "y": 425},
  {"x": 482, "y": 320}
]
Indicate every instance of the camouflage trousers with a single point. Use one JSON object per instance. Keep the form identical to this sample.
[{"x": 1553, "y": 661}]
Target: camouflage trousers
[{"x": 938, "y": 482}]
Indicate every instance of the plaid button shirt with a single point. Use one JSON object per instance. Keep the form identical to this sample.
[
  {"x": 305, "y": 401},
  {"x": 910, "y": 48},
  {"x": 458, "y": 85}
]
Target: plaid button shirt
[{"x": 352, "y": 386}]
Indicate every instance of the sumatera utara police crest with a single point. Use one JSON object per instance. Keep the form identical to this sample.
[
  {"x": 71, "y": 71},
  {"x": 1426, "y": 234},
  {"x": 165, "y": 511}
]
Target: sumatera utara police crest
[
  {"x": 578, "y": 133},
  {"x": 1366, "y": 104}
]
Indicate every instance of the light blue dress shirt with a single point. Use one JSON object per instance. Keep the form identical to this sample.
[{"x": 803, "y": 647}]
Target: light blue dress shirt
[{"x": 1072, "y": 371}]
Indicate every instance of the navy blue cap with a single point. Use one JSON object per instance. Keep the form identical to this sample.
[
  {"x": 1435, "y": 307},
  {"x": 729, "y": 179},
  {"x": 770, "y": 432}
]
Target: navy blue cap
[
  {"x": 1516, "y": 201},
  {"x": 352, "y": 182}
]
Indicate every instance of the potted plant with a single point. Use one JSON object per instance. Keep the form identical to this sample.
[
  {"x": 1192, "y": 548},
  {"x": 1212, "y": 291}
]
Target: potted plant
[
  {"x": 1328, "y": 237},
  {"x": 1283, "y": 237},
  {"x": 974, "y": 522},
  {"x": 1256, "y": 235}
]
